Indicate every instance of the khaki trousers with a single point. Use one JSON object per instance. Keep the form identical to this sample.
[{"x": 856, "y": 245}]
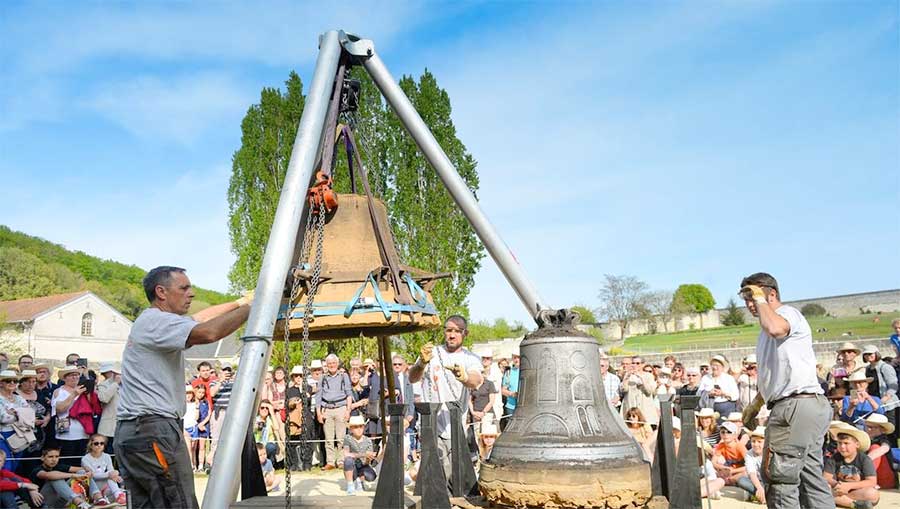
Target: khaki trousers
[{"x": 335, "y": 429}]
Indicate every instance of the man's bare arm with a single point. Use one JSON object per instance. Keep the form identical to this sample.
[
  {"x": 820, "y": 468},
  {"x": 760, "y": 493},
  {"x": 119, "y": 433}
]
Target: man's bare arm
[
  {"x": 211, "y": 312},
  {"x": 771, "y": 322},
  {"x": 415, "y": 372},
  {"x": 217, "y": 328}
]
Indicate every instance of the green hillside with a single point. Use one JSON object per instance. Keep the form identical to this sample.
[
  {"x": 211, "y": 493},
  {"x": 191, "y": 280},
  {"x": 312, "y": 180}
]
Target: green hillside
[{"x": 34, "y": 267}]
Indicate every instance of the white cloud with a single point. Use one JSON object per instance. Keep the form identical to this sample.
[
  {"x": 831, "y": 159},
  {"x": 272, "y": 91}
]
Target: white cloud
[{"x": 176, "y": 110}]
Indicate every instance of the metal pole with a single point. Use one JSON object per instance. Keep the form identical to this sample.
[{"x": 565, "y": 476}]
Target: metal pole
[
  {"x": 222, "y": 488},
  {"x": 364, "y": 50}
]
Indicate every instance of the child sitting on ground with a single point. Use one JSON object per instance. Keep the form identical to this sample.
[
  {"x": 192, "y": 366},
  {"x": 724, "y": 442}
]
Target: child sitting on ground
[
  {"x": 753, "y": 462},
  {"x": 358, "y": 453},
  {"x": 729, "y": 458},
  {"x": 268, "y": 470},
  {"x": 878, "y": 427},
  {"x": 100, "y": 465},
  {"x": 710, "y": 483},
  {"x": 54, "y": 480},
  {"x": 850, "y": 473},
  {"x": 12, "y": 485}
]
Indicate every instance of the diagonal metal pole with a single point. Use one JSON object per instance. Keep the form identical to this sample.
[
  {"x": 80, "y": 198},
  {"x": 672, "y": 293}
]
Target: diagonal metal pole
[
  {"x": 223, "y": 484},
  {"x": 364, "y": 52}
]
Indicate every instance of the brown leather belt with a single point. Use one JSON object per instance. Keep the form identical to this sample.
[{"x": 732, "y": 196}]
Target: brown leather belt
[{"x": 792, "y": 396}]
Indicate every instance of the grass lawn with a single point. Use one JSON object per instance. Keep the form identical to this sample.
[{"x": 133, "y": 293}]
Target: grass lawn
[{"x": 859, "y": 326}]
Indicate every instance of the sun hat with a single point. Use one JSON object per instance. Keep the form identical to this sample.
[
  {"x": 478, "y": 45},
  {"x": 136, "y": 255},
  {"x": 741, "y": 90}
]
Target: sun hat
[
  {"x": 692, "y": 371},
  {"x": 40, "y": 366},
  {"x": 870, "y": 349},
  {"x": 27, "y": 373},
  {"x": 880, "y": 421},
  {"x": 759, "y": 432},
  {"x": 227, "y": 366},
  {"x": 297, "y": 370},
  {"x": 858, "y": 376},
  {"x": 107, "y": 366},
  {"x": 750, "y": 359},
  {"x": 8, "y": 374},
  {"x": 665, "y": 371},
  {"x": 708, "y": 412},
  {"x": 356, "y": 420},
  {"x": 861, "y": 436},
  {"x": 67, "y": 371},
  {"x": 720, "y": 359},
  {"x": 489, "y": 429},
  {"x": 730, "y": 426},
  {"x": 188, "y": 388},
  {"x": 735, "y": 416},
  {"x": 704, "y": 363},
  {"x": 368, "y": 362},
  {"x": 315, "y": 364},
  {"x": 849, "y": 347}
]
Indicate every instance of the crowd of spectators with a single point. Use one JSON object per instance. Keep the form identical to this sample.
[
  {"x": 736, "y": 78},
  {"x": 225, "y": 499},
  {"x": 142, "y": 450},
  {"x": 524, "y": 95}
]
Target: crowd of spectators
[{"x": 861, "y": 449}]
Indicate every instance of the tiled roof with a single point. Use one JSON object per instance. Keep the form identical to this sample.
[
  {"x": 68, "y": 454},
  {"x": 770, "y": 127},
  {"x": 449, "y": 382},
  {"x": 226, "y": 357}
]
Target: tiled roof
[{"x": 26, "y": 309}]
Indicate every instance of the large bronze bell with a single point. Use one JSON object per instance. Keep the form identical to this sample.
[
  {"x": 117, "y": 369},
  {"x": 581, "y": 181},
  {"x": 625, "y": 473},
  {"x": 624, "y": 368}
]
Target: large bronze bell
[
  {"x": 563, "y": 446},
  {"x": 356, "y": 295}
]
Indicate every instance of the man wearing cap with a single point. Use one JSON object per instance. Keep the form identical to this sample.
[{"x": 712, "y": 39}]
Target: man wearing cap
[
  {"x": 447, "y": 373},
  {"x": 151, "y": 403},
  {"x": 884, "y": 381},
  {"x": 787, "y": 382},
  {"x": 747, "y": 382},
  {"x": 108, "y": 393}
]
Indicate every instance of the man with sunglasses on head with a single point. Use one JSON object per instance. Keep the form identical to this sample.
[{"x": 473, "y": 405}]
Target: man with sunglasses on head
[
  {"x": 799, "y": 412},
  {"x": 447, "y": 372}
]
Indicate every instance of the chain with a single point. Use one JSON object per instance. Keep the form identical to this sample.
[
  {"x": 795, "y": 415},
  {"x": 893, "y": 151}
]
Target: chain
[{"x": 294, "y": 295}]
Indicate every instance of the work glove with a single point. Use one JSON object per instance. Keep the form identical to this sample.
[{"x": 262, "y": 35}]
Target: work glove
[
  {"x": 748, "y": 416},
  {"x": 246, "y": 299},
  {"x": 426, "y": 352},
  {"x": 754, "y": 293},
  {"x": 459, "y": 372}
]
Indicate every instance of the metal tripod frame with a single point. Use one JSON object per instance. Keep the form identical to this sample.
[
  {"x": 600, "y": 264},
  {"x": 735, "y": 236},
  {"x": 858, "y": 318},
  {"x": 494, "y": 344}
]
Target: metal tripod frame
[{"x": 286, "y": 235}]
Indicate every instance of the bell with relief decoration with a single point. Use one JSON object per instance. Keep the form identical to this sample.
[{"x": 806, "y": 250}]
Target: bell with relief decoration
[
  {"x": 563, "y": 447},
  {"x": 357, "y": 294}
]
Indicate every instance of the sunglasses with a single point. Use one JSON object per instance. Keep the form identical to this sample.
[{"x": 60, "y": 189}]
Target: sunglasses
[
  {"x": 398, "y": 364},
  {"x": 98, "y": 443}
]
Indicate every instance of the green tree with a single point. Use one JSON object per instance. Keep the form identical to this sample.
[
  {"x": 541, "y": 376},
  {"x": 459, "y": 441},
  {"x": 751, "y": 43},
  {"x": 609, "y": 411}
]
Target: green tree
[
  {"x": 430, "y": 231},
  {"x": 586, "y": 316},
  {"x": 813, "y": 309},
  {"x": 733, "y": 315},
  {"x": 695, "y": 297},
  {"x": 257, "y": 175}
]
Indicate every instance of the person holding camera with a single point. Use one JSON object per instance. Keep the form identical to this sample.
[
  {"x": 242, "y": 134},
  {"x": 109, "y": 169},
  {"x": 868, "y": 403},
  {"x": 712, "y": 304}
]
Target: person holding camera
[{"x": 69, "y": 432}]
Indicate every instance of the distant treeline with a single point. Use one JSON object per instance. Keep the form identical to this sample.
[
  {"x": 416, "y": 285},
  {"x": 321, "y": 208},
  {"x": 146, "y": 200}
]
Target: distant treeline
[{"x": 33, "y": 267}]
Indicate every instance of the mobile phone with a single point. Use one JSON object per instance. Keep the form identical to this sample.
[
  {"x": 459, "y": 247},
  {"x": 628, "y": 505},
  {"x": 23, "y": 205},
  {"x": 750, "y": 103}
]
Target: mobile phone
[
  {"x": 853, "y": 394},
  {"x": 81, "y": 363}
]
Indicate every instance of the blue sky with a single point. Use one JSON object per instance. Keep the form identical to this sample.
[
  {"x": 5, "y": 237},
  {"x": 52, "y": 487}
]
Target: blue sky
[{"x": 674, "y": 141}]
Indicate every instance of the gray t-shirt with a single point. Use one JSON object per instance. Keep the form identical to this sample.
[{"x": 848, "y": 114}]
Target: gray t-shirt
[
  {"x": 360, "y": 447},
  {"x": 153, "y": 366}
]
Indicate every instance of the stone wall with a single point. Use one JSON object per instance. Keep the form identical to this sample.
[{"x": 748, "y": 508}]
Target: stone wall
[
  {"x": 825, "y": 352},
  {"x": 885, "y": 301}
]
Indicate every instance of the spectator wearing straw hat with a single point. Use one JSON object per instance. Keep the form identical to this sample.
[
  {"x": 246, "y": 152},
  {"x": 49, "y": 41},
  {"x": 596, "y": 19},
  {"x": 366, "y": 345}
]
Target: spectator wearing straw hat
[
  {"x": 884, "y": 384},
  {"x": 486, "y": 439},
  {"x": 753, "y": 462},
  {"x": 358, "y": 452},
  {"x": 747, "y": 382},
  {"x": 847, "y": 362},
  {"x": 879, "y": 431},
  {"x": 706, "y": 424},
  {"x": 859, "y": 403},
  {"x": 720, "y": 386},
  {"x": 849, "y": 471},
  {"x": 70, "y": 432},
  {"x": 108, "y": 393},
  {"x": 13, "y": 409},
  {"x": 799, "y": 412}
]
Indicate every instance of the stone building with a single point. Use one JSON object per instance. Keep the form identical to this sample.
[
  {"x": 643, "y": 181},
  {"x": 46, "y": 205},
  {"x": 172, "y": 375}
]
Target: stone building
[{"x": 51, "y": 327}]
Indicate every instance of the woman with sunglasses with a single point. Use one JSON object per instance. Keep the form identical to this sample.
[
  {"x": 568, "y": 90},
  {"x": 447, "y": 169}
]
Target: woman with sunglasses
[
  {"x": 10, "y": 406},
  {"x": 100, "y": 465}
]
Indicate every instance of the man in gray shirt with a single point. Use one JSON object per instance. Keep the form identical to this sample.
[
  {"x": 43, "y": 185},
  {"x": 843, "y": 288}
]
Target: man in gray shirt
[
  {"x": 333, "y": 402},
  {"x": 149, "y": 442},
  {"x": 800, "y": 413}
]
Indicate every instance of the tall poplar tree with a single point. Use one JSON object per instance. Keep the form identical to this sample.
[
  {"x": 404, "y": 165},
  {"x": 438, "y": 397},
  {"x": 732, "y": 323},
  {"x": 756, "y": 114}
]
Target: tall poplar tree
[{"x": 430, "y": 231}]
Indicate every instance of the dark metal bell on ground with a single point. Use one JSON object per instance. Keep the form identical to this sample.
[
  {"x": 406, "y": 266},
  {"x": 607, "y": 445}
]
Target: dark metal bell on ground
[{"x": 563, "y": 447}]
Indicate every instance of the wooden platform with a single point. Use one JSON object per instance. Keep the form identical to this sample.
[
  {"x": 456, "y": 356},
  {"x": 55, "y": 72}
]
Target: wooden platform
[{"x": 314, "y": 502}]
